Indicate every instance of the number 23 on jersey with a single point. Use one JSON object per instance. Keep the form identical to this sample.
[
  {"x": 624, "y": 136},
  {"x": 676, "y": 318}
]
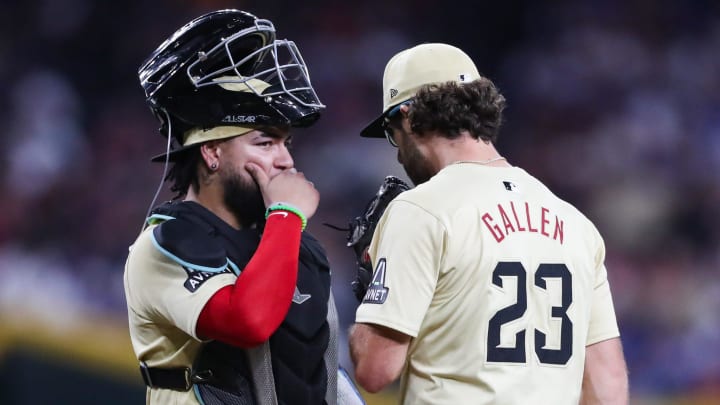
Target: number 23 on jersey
[{"x": 516, "y": 354}]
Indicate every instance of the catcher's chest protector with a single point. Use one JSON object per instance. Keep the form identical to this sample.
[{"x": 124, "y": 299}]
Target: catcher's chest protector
[{"x": 291, "y": 368}]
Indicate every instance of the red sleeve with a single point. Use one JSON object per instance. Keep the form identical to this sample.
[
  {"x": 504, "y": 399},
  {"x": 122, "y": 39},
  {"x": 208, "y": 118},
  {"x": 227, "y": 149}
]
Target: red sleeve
[{"x": 247, "y": 313}]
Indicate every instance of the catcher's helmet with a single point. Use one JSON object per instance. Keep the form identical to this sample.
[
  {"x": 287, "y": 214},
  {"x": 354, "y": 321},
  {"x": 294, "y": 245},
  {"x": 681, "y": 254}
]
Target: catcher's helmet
[{"x": 224, "y": 68}]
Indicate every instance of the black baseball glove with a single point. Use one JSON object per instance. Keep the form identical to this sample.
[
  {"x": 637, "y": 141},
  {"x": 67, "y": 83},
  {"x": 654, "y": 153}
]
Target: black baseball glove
[{"x": 362, "y": 228}]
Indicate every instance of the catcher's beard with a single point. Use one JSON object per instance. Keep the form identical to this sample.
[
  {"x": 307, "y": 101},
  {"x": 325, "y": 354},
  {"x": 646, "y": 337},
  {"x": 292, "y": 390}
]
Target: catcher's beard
[
  {"x": 243, "y": 198},
  {"x": 416, "y": 165}
]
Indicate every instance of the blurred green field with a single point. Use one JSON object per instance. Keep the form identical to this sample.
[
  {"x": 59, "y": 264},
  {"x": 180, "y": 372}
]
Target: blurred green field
[
  {"x": 72, "y": 365},
  {"x": 96, "y": 356}
]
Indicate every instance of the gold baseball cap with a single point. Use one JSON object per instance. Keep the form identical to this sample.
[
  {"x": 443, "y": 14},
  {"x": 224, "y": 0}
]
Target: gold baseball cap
[
  {"x": 197, "y": 136},
  {"x": 409, "y": 70}
]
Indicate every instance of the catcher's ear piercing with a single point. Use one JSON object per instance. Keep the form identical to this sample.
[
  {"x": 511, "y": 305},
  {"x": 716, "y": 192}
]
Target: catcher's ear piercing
[{"x": 213, "y": 166}]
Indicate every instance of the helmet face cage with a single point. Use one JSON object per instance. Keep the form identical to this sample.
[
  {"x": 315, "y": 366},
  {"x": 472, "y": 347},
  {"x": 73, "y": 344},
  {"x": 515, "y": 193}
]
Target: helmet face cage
[
  {"x": 227, "y": 68},
  {"x": 278, "y": 65}
]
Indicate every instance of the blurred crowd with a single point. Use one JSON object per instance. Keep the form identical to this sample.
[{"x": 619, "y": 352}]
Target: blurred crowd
[{"x": 615, "y": 105}]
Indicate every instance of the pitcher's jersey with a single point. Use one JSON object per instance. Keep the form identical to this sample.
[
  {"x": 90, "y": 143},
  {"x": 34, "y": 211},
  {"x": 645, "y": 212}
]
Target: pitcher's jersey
[{"x": 500, "y": 283}]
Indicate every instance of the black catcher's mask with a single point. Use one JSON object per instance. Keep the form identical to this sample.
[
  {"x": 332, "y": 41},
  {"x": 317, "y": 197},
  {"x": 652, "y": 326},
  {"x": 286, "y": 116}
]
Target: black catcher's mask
[{"x": 226, "y": 68}]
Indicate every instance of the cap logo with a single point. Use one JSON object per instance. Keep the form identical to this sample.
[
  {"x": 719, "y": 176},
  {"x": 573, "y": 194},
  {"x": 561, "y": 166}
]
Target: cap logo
[
  {"x": 463, "y": 77},
  {"x": 393, "y": 93}
]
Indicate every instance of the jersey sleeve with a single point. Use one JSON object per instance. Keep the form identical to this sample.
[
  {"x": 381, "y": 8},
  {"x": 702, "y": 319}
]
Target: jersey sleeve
[
  {"x": 165, "y": 292},
  {"x": 603, "y": 324},
  {"x": 406, "y": 250}
]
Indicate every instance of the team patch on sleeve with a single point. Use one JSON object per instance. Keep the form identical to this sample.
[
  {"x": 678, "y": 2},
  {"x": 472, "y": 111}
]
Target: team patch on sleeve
[
  {"x": 197, "y": 278},
  {"x": 377, "y": 292}
]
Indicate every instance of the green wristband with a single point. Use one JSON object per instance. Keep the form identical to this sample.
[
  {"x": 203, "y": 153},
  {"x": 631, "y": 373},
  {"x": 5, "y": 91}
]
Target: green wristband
[{"x": 289, "y": 208}]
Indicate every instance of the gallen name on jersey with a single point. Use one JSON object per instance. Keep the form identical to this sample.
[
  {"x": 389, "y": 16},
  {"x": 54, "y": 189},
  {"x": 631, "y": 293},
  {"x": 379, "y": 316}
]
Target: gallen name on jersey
[{"x": 510, "y": 218}]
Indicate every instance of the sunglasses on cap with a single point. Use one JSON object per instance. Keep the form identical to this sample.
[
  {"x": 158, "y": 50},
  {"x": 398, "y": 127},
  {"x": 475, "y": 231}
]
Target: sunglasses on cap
[{"x": 389, "y": 132}]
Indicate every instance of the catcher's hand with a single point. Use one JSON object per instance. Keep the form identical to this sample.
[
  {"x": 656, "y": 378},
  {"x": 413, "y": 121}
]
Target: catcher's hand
[{"x": 362, "y": 228}]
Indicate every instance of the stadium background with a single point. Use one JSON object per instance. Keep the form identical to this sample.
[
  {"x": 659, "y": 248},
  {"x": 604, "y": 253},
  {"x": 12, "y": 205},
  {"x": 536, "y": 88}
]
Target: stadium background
[{"x": 614, "y": 104}]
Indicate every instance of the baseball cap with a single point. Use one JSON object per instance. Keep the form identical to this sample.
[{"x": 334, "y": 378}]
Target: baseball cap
[
  {"x": 197, "y": 136},
  {"x": 409, "y": 70}
]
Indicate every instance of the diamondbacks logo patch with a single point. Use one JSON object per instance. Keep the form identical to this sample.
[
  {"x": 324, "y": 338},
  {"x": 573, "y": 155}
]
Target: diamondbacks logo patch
[
  {"x": 393, "y": 93},
  {"x": 197, "y": 278},
  {"x": 377, "y": 292}
]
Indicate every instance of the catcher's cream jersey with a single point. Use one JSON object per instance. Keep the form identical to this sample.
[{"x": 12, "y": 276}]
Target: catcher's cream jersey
[
  {"x": 164, "y": 303},
  {"x": 500, "y": 283}
]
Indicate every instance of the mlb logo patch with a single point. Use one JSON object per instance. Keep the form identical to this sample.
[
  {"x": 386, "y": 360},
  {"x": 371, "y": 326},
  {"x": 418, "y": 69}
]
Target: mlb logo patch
[{"x": 510, "y": 186}]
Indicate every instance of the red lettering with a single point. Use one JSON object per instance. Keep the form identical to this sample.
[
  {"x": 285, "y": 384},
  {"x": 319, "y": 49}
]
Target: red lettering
[
  {"x": 527, "y": 212},
  {"x": 505, "y": 219},
  {"x": 543, "y": 221},
  {"x": 494, "y": 229},
  {"x": 558, "y": 229},
  {"x": 517, "y": 222}
]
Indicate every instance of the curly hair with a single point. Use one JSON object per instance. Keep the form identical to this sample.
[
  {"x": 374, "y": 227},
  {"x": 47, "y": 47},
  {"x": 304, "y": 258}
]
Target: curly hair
[
  {"x": 451, "y": 107},
  {"x": 184, "y": 173}
]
